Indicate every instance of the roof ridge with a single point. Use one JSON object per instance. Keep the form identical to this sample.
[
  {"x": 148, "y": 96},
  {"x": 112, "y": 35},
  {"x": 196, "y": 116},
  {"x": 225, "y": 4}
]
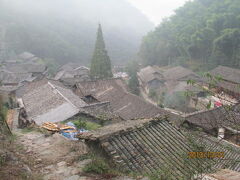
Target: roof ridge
[
  {"x": 49, "y": 83},
  {"x": 121, "y": 127},
  {"x": 208, "y": 110}
]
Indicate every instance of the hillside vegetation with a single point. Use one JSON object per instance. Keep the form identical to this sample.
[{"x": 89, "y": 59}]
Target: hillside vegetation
[
  {"x": 65, "y": 30},
  {"x": 205, "y": 32}
]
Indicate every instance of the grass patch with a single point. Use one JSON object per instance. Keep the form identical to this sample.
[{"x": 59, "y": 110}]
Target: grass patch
[
  {"x": 85, "y": 156},
  {"x": 92, "y": 126},
  {"x": 36, "y": 129},
  {"x": 86, "y": 125},
  {"x": 2, "y": 160},
  {"x": 28, "y": 130},
  {"x": 97, "y": 166},
  {"x": 100, "y": 166}
]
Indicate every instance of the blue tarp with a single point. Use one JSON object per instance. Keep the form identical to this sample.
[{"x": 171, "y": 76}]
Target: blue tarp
[
  {"x": 71, "y": 124},
  {"x": 72, "y": 135}
]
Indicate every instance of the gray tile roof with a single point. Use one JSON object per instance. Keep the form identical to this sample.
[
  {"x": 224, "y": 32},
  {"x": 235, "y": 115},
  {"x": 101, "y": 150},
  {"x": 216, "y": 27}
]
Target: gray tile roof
[
  {"x": 26, "y": 55},
  {"x": 227, "y": 73},
  {"x": 232, "y": 87},
  {"x": 14, "y": 78},
  {"x": 8, "y": 89},
  {"x": 72, "y": 70},
  {"x": 74, "y": 99},
  {"x": 49, "y": 101},
  {"x": 124, "y": 104},
  {"x": 225, "y": 116},
  {"x": 25, "y": 68},
  {"x": 154, "y": 146},
  {"x": 150, "y": 73},
  {"x": 179, "y": 73},
  {"x": 69, "y": 66}
]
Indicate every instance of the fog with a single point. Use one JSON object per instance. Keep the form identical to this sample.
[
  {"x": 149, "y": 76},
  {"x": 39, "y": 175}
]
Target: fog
[{"x": 71, "y": 20}]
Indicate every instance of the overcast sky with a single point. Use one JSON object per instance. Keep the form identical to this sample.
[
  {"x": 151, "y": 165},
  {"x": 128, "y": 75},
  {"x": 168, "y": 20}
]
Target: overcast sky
[{"x": 156, "y": 10}]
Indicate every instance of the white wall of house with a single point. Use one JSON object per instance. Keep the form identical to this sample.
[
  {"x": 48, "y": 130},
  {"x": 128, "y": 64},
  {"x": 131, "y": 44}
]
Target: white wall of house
[{"x": 221, "y": 132}]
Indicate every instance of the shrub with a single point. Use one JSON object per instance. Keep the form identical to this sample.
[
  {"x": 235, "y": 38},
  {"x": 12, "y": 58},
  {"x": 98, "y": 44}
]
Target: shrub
[
  {"x": 85, "y": 156},
  {"x": 152, "y": 94},
  {"x": 86, "y": 125},
  {"x": 80, "y": 124},
  {"x": 92, "y": 126},
  {"x": 2, "y": 160},
  {"x": 97, "y": 166}
]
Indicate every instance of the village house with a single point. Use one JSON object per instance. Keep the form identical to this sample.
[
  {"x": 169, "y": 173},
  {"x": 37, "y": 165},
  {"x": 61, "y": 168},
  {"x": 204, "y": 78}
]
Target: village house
[
  {"x": 27, "y": 57},
  {"x": 167, "y": 80},
  {"x": 15, "y": 75},
  {"x": 165, "y": 85},
  {"x": 222, "y": 122},
  {"x": 37, "y": 71},
  {"x": 151, "y": 77},
  {"x": 230, "y": 80},
  {"x": 180, "y": 73},
  {"x": 176, "y": 80},
  {"x": 50, "y": 101},
  {"x": 123, "y": 103},
  {"x": 154, "y": 146},
  {"x": 72, "y": 73}
]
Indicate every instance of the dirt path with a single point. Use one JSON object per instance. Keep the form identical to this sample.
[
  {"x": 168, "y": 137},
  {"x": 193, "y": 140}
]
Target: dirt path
[
  {"x": 54, "y": 157},
  {"x": 145, "y": 96}
]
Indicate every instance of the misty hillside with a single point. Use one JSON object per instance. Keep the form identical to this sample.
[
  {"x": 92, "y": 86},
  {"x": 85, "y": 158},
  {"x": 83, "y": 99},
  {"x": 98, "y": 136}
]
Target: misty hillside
[
  {"x": 202, "y": 32},
  {"x": 65, "y": 30}
]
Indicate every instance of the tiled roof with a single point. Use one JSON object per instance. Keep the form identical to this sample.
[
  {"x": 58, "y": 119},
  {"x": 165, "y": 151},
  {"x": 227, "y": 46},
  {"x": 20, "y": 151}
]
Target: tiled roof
[
  {"x": 157, "y": 146},
  {"x": 179, "y": 72},
  {"x": 69, "y": 66},
  {"x": 124, "y": 104},
  {"x": 68, "y": 94},
  {"x": 181, "y": 86},
  {"x": 71, "y": 71},
  {"x": 25, "y": 68},
  {"x": 232, "y": 87},
  {"x": 150, "y": 73},
  {"x": 26, "y": 55},
  {"x": 8, "y": 89},
  {"x": 48, "y": 100},
  {"x": 9, "y": 78},
  {"x": 225, "y": 116},
  {"x": 227, "y": 73}
]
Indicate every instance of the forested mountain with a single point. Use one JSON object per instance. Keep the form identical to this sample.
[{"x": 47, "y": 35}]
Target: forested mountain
[
  {"x": 65, "y": 30},
  {"x": 205, "y": 32}
]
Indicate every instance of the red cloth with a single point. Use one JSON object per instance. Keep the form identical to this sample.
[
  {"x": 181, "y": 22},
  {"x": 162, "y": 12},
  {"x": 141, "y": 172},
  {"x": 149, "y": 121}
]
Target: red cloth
[{"x": 217, "y": 104}]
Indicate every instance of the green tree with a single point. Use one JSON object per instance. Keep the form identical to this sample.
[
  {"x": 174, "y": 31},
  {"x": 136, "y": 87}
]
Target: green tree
[
  {"x": 133, "y": 82},
  {"x": 204, "y": 32},
  {"x": 227, "y": 48},
  {"x": 100, "y": 64}
]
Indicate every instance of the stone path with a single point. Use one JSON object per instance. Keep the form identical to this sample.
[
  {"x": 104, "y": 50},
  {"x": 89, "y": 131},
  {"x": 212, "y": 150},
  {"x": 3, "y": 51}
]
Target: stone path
[{"x": 55, "y": 157}]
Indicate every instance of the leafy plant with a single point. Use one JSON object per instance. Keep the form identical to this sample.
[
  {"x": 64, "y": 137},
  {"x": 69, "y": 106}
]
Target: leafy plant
[
  {"x": 97, "y": 166},
  {"x": 86, "y": 124},
  {"x": 152, "y": 93},
  {"x": 80, "y": 124}
]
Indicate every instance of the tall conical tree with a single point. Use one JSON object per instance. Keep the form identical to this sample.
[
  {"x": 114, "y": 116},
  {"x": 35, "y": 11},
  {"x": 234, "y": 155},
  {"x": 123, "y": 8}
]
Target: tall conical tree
[{"x": 100, "y": 64}]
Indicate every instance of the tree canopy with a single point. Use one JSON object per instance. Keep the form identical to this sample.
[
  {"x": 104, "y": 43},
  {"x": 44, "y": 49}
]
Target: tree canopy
[
  {"x": 202, "y": 31},
  {"x": 100, "y": 64}
]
